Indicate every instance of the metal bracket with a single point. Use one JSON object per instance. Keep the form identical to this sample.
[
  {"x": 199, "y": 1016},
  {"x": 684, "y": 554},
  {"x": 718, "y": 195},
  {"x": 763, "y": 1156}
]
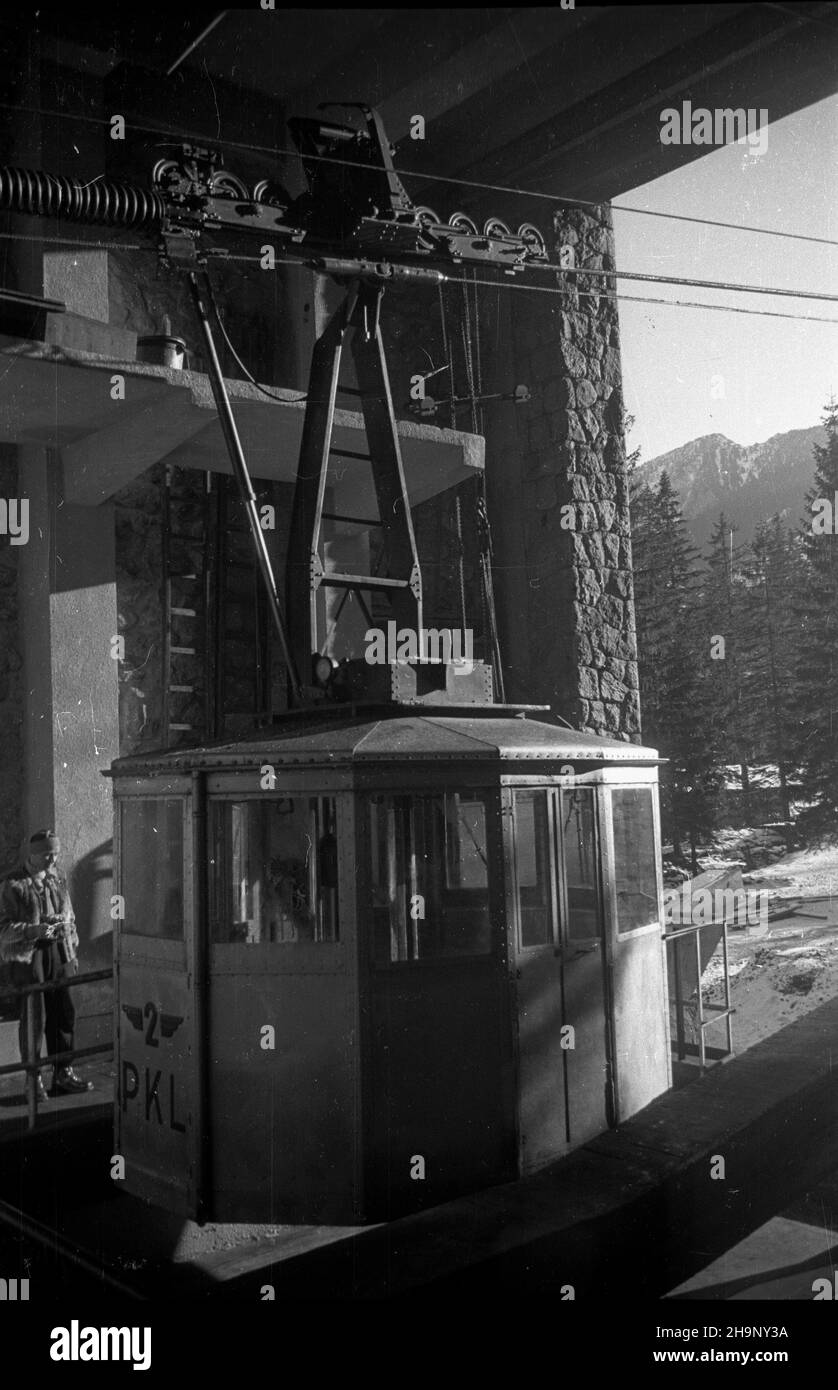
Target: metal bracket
[
  {"x": 179, "y": 248},
  {"x": 316, "y": 571}
]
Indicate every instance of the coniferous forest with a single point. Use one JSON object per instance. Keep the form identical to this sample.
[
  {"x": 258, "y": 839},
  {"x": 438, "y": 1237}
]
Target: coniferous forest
[{"x": 738, "y": 659}]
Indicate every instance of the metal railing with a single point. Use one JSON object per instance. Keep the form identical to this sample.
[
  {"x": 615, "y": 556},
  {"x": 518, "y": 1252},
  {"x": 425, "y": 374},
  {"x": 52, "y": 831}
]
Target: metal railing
[
  {"x": 32, "y": 1069},
  {"x": 719, "y": 1012}
]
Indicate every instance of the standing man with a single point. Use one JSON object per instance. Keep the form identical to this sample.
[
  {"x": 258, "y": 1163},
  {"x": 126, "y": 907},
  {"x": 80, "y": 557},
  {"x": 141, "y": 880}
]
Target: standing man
[{"x": 38, "y": 937}]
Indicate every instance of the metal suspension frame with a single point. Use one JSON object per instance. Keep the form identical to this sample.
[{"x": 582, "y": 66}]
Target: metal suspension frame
[
  {"x": 366, "y": 231},
  {"x": 357, "y": 320}
]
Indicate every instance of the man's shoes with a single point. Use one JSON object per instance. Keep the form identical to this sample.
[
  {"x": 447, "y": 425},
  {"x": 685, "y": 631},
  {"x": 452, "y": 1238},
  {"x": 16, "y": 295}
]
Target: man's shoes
[
  {"x": 40, "y": 1090},
  {"x": 67, "y": 1083}
]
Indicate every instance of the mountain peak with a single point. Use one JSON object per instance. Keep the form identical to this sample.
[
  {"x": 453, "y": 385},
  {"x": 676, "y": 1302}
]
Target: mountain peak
[{"x": 749, "y": 482}]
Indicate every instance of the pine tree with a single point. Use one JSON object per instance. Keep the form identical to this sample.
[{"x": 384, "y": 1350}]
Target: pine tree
[
  {"x": 817, "y": 664},
  {"x": 770, "y": 640},
  {"x": 675, "y": 680},
  {"x": 724, "y": 619}
]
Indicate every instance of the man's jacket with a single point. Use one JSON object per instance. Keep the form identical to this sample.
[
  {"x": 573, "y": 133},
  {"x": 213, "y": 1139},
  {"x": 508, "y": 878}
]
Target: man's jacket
[{"x": 20, "y": 910}]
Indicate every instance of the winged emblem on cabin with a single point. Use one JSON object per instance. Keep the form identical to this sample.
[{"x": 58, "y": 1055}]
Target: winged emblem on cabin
[{"x": 169, "y": 1023}]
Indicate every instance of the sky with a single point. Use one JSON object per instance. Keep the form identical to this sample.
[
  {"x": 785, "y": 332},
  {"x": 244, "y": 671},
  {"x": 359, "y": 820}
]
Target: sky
[{"x": 692, "y": 372}]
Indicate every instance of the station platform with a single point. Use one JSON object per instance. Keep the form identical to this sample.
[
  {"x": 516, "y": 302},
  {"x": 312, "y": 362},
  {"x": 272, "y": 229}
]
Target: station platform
[
  {"x": 57, "y": 1111},
  {"x": 634, "y": 1214}
]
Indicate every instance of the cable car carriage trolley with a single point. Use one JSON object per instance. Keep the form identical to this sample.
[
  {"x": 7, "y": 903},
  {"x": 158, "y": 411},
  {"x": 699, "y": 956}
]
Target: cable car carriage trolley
[{"x": 406, "y": 942}]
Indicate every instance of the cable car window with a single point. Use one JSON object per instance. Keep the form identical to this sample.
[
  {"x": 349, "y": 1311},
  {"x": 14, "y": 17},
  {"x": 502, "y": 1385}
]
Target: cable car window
[
  {"x": 580, "y": 860},
  {"x": 534, "y": 876},
  {"x": 634, "y": 858},
  {"x": 273, "y": 870},
  {"x": 430, "y": 877},
  {"x": 151, "y": 859}
]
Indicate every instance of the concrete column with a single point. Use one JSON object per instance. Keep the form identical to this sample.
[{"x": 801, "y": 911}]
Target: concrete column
[
  {"x": 67, "y": 594},
  {"x": 80, "y": 279},
  {"x": 558, "y": 494}
]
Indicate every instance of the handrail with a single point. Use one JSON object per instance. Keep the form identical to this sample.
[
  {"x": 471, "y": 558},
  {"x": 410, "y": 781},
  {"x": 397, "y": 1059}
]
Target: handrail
[
  {"x": 31, "y": 1069},
  {"x": 41, "y": 987},
  {"x": 721, "y": 1012}
]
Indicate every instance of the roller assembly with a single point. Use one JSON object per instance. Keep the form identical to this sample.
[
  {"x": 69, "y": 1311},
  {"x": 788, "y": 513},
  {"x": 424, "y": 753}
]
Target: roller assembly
[{"x": 354, "y": 207}]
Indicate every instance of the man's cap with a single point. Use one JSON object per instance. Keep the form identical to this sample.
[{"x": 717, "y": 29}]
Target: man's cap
[{"x": 45, "y": 841}]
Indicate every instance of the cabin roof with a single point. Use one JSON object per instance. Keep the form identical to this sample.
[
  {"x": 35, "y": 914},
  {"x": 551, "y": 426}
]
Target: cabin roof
[{"x": 363, "y": 738}]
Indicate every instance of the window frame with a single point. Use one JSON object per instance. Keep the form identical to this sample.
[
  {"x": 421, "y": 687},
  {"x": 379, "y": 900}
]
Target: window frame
[
  {"x": 602, "y": 897},
  {"x": 133, "y": 943},
  {"x": 556, "y": 904},
  {"x": 610, "y": 863},
  {"x": 490, "y": 796},
  {"x": 560, "y": 940},
  {"x": 245, "y": 795}
]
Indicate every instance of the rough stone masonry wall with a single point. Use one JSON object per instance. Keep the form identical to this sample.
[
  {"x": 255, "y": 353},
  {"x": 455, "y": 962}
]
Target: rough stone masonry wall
[
  {"x": 580, "y": 598},
  {"x": 11, "y": 682}
]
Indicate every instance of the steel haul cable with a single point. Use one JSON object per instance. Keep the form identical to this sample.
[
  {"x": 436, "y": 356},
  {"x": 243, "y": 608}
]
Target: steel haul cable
[
  {"x": 217, "y": 141},
  {"x": 105, "y": 202}
]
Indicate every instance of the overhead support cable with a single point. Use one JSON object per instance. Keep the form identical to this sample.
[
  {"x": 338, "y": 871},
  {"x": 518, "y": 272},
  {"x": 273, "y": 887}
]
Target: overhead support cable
[
  {"x": 205, "y": 32},
  {"x": 420, "y": 176},
  {"x": 509, "y": 284}
]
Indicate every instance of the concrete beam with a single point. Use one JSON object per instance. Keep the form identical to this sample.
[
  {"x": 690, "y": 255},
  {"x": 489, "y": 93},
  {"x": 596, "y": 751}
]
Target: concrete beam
[{"x": 61, "y": 399}]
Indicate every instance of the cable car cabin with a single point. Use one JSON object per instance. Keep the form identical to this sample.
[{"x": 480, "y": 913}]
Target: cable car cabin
[{"x": 372, "y": 960}]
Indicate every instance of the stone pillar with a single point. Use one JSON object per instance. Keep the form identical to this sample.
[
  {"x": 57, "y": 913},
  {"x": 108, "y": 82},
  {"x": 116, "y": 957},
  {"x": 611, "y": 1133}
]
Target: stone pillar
[
  {"x": 558, "y": 494},
  {"x": 67, "y": 617}
]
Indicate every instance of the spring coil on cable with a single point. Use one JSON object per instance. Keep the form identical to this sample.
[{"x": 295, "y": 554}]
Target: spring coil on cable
[{"x": 49, "y": 195}]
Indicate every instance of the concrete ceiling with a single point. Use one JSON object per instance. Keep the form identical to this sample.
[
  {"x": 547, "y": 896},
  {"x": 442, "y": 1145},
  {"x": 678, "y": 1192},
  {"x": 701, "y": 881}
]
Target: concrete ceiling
[{"x": 561, "y": 101}]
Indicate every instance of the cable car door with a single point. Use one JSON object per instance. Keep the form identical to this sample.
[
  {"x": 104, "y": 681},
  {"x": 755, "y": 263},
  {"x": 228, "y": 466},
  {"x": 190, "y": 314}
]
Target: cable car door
[
  {"x": 589, "y": 1100},
  {"x": 155, "y": 1127},
  {"x": 534, "y": 950}
]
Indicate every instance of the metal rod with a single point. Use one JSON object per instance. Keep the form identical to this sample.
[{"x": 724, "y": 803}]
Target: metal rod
[
  {"x": 242, "y": 475},
  {"x": 702, "y": 1057},
  {"x": 355, "y": 520},
  {"x": 87, "y": 978},
  {"x": 195, "y": 43},
  {"x": 679, "y": 1006},
  {"x": 200, "y": 963},
  {"x": 71, "y": 1055},
  {"x": 729, "y": 1020},
  {"x": 332, "y": 579},
  {"x": 32, "y": 1076}
]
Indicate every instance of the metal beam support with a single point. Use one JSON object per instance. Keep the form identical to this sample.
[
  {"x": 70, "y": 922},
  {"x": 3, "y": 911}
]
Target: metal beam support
[
  {"x": 242, "y": 475},
  {"x": 358, "y": 315}
]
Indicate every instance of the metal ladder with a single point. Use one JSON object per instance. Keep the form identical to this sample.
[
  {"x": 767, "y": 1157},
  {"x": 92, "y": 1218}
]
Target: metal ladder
[
  {"x": 205, "y": 581},
  {"x": 356, "y": 320}
]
